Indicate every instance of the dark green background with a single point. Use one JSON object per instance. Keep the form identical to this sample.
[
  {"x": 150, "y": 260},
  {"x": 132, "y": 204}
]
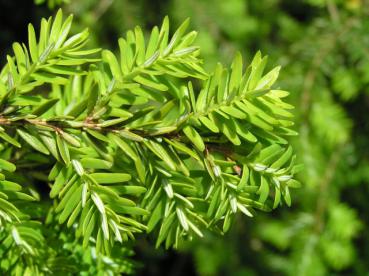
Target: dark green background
[{"x": 323, "y": 47}]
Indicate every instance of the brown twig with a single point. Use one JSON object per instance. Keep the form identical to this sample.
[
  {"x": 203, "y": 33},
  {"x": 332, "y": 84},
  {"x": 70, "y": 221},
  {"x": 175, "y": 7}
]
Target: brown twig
[{"x": 333, "y": 11}]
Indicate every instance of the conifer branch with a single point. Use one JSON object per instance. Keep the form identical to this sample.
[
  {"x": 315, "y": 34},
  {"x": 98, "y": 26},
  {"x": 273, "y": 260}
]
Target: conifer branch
[{"x": 131, "y": 146}]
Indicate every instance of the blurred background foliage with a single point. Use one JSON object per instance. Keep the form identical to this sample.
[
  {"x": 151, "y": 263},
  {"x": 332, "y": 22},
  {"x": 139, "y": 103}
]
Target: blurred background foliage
[{"x": 323, "y": 47}]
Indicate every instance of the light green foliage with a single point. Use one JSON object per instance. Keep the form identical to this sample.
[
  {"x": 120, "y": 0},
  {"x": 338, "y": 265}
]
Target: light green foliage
[
  {"x": 323, "y": 48},
  {"x": 51, "y": 3},
  {"x": 330, "y": 123},
  {"x": 144, "y": 140}
]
